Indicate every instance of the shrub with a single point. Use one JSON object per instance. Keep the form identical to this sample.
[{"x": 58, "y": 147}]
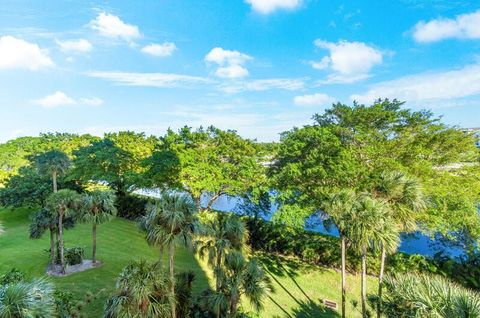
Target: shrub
[
  {"x": 74, "y": 255},
  {"x": 12, "y": 276},
  {"x": 131, "y": 206}
]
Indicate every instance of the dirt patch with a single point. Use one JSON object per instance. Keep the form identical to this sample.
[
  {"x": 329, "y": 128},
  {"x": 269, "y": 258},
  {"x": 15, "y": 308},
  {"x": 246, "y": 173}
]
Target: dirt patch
[{"x": 56, "y": 270}]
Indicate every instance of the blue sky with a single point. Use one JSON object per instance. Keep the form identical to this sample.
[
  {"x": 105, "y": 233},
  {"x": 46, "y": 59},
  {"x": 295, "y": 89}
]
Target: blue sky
[{"x": 257, "y": 66}]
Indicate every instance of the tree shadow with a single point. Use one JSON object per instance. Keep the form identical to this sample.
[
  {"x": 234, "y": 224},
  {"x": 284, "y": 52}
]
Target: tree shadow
[{"x": 311, "y": 309}]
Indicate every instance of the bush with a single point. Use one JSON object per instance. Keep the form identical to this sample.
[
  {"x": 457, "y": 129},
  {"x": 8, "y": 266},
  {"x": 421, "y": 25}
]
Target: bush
[
  {"x": 74, "y": 255},
  {"x": 131, "y": 206},
  {"x": 12, "y": 276}
]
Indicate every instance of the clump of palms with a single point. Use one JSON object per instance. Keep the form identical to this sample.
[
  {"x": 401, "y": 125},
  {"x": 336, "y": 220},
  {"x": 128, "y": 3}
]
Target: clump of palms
[
  {"x": 220, "y": 233},
  {"x": 63, "y": 203},
  {"x": 241, "y": 279},
  {"x": 54, "y": 163},
  {"x": 171, "y": 222},
  {"x": 412, "y": 295},
  {"x": 23, "y": 299},
  {"x": 142, "y": 290},
  {"x": 97, "y": 207}
]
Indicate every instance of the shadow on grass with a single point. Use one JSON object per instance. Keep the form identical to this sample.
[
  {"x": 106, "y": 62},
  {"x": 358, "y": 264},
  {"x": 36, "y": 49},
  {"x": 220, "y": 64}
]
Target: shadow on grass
[{"x": 311, "y": 309}]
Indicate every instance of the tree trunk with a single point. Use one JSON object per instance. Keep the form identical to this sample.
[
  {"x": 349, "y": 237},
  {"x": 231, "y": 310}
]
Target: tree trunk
[
  {"x": 212, "y": 200},
  {"x": 172, "y": 279},
  {"x": 54, "y": 179},
  {"x": 160, "y": 252},
  {"x": 344, "y": 278},
  {"x": 197, "y": 203},
  {"x": 52, "y": 246},
  {"x": 380, "y": 281},
  {"x": 364, "y": 282},
  {"x": 94, "y": 245},
  {"x": 217, "y": 279},
  {"x": 60, "y": 241}
]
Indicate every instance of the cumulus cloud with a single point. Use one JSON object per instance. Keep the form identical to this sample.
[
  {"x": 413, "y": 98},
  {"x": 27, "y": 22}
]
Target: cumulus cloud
[
  {"x": 161, "y": 80},
  {"x": 17, "y": 53},
  {"x": 76, "y": 46},
  {"x": 437, "y": 89},
  {"x": 464, "y": 26},
  {"x": 269, "y": 6},
  {"x": 348, "y": 61},
  {"x": 230, "y": 63},
  {"x": 59, "y": 98},
  {"x": 160, "y": 50},
  {"x": 290, "y": 84},
  {"x": 317, "y": 99},
  {"x": 111, "y": 26}
]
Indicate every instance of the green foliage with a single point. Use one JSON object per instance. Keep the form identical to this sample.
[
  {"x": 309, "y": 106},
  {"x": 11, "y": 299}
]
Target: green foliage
[
  {"x": 410, "y": 295},
  {"x": 141, "y": 291},
  {"x": 65, "y": 202},
  {"x": 12, "y": 276},
  {"x": 98, "y": 207},
  {"x": 208, "y": 160},
  {"x": 132, "y": 206},
  {"x": 74, "y": 255},
  {"x": 27, "y": 299},
  {"x": 52, "y": 162}
]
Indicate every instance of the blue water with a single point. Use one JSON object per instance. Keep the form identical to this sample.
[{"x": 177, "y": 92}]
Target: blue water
[{"x": 414, "y": 243}]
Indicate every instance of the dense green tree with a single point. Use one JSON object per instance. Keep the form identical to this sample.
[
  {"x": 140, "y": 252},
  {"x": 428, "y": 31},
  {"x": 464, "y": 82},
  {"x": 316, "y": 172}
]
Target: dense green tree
[
  {"x": 98, "y": 207},
  {"x": 115, "y": 160},
  {"x": 64, "y": 203},
  {"x": 220, "y": 234},
  {"x": 53, "y": 163},
  {"x": 208, "y": 162},
  {"x": 27, "y": 299},
  {"x": 142, "y": 290}
]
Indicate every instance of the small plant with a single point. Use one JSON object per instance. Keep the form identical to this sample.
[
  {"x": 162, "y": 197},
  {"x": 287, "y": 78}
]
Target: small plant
[
  {"x": 74, "y": 255},
  {"x": 12, "y": 276}
]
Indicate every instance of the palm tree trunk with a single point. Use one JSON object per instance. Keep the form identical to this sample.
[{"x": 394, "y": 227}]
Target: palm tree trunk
[
  {"x": 54, "y": 179},
  {"x": 52, "y": 246},
  {"x": 380, "y": 281},
  {"x": 217, "y": 279},
  {"x": 344, "y": 278},
  {"x": 197, "y": 203},
  {"x": 172, "y": 278},
  {"x": 94, "y": 245},
  {"x": 364, "y": 282},
  {"x": 60, "y": 241},
  {"x": 160, "y": 252}
]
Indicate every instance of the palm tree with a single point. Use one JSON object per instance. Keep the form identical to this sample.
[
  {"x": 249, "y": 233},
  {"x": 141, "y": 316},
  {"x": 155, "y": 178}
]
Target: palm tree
[
  {"x": 63, "y": 202},
  {"x": 242, "y": 278},
  {"x": 151, "y": 223},
  {"x": 54, "y": 163},
  {"x": 142, "y": 290},
  {"x": 27, "y": 299},
  {"x": 221, "y": 233},
  {"x": 340, "y": 207},
  {"x": 405, "y": 199},
  {"x": 174, "y": 224},
  {"x": 98, "y": 207}
]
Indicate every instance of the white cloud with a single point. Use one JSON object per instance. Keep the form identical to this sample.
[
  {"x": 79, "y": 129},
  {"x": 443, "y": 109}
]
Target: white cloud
[
  {"x": 230, "y": 62},
  {"x": 349, "y": 61},
  {"x": 111, "y": 26},
  {"x": 17, "y": 53},
  {"x": 437, "y": 89},
  {"x": 161, "y": 50},
  {"x": 269, "y": 6},
  {"x": 79, "y": 46},
  {"x": 317, "y": 99},
  {"x": 149, "y": 79},
  {"x": 464, "y": 26},
  {"x": 59, "y": 98},
  {"x": 290, "y": 84}
]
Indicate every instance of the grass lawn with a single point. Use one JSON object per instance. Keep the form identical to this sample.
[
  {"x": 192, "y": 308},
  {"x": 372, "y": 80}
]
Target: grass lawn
[{"x": 298, "y": 288}]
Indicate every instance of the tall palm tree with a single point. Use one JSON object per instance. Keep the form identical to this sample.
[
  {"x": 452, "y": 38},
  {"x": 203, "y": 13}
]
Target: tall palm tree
[
  {"x": 151, "y": 223},
  {"x": 175, "y": 224},
  {"x": 63, "y": 202},
  {"x": 340, "y": 207},
  {"x": 221, "y": 233},
  {"x": 367, "y": 222},
  {"x": 27, "y": 299},
  {"x": 53, "y": 163},
  {"x": 142, "y": 290},
  {"x": 98, "y": 207},
  {"x": 405, "y": 199}
]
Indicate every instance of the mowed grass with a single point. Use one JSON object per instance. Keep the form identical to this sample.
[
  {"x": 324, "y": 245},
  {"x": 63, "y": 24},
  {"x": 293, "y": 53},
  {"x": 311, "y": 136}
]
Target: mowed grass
[{"x": 298, "y": 288}]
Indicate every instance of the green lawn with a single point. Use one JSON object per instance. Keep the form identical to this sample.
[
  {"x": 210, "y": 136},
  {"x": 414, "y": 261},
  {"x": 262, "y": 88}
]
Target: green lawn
[{"x": 298, "y": 288}]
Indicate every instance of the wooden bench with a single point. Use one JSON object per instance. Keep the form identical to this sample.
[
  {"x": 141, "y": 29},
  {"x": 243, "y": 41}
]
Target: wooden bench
[{"x": 330, "y": 304}]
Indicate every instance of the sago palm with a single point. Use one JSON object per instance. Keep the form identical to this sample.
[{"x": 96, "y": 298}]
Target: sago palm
[{"x": 98, "y": 207}]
